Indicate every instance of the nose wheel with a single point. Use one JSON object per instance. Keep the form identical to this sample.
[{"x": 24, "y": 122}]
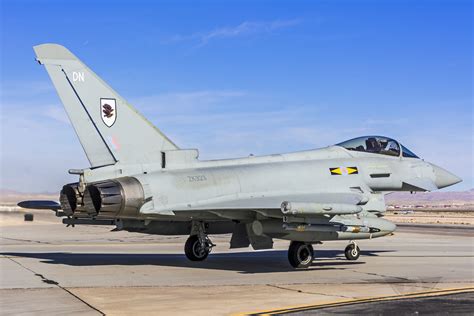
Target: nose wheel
[
  {"x": 198, "y": 245},
  {"x": 195, "y": 250},
  {"x": 300, "y": 254},
  {"x": 352, "y": 251}
]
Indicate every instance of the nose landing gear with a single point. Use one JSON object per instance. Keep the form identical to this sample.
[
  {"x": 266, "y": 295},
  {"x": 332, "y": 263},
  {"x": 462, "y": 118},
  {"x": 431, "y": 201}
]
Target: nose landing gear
[
  {"x": 352, "y": 251},
  {"x": 300, "y": 254},
  {"x": 195, "y": 250},
  {"x": 199, "y": 245}
]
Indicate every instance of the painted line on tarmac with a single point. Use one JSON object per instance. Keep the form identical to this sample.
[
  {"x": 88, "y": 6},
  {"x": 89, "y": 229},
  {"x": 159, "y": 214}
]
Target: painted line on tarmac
[{"x": 300, "y": 308}]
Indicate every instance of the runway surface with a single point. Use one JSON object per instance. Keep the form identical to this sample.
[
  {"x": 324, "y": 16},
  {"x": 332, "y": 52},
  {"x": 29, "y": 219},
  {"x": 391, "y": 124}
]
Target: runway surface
[
  {"x": 47, "y": 268},
  {"x": 444, "y": 304}
]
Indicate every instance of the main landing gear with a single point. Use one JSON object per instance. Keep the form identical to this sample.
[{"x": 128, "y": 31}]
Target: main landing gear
[
  {"x": 300, "y": 254},
  {"x": 352, "y": 251},
  {"x": 198, "y": 246}
]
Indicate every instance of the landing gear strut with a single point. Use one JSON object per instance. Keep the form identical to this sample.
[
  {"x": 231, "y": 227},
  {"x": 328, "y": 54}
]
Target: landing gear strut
[
  {"x": 300, "y": 254},
  {"x": 352, "y": 251},
  {"x": 198, "y": 246}
]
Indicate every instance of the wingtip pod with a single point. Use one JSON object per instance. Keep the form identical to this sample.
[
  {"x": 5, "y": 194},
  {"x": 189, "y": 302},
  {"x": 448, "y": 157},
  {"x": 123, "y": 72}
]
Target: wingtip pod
[{"x": 51, "y": 51}]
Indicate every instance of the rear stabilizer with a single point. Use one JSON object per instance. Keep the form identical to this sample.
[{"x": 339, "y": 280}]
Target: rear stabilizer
[{"x": 109, "y": 128}]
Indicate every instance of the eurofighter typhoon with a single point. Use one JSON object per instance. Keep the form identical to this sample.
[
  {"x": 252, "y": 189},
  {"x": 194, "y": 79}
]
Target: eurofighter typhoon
[{"x": 140, "y": 181}]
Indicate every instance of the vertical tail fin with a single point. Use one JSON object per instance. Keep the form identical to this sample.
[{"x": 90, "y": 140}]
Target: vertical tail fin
[{"x": 109, "y": 129}]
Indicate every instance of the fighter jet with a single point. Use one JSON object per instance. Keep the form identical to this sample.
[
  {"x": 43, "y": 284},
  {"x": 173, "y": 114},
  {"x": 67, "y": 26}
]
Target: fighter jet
[{"x": 140, "y": 181}]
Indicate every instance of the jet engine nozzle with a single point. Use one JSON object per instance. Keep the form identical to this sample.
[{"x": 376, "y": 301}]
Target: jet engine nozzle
[
  {"x": 111, "y": 198},
  {"x": 69, "y": 198}
]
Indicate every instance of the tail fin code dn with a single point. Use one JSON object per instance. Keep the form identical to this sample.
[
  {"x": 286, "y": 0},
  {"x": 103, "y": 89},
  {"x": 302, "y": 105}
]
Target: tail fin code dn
[{"x": 109, "y": 129}]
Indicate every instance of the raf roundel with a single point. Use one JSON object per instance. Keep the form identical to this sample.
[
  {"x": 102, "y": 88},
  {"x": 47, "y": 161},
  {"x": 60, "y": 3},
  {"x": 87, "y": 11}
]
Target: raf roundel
[{"x": 108, "y": 111}]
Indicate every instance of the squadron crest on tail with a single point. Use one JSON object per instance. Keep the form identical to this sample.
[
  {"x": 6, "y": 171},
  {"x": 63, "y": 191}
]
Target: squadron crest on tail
[{"x": 108, "y": 108}]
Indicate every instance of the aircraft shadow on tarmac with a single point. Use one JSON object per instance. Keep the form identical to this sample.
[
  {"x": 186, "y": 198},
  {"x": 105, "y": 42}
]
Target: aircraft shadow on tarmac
[{"x": 243, "y": 262}]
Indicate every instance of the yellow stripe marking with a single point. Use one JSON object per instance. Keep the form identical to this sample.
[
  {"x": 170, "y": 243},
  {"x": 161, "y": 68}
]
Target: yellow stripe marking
[
  {"x": 351, "y": 170},
  {"x": 299, "y": 308}
]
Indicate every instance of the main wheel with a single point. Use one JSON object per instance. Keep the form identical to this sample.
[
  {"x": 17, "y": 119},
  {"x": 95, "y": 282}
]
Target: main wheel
[
  {"x": 300, "y": 254},
  {"x": 193, "y": 249},
  {"x": 352, "y": 252}
]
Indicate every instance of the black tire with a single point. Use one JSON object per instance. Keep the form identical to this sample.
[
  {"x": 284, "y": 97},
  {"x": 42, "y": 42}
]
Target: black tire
[
  {"x": 192, "y": 249},
  {"x": 352, "y": 252},
  {"x": 300, "y": 254}
]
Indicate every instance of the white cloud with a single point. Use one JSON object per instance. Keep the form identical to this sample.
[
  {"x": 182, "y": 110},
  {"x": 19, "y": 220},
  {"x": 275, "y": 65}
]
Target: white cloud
[
  {"x": 36, "y": 150},
  {"x": 221, "y": 124},
  {"x": 187, "y": 100},
  {"x": 57, "y": 113},
  {"x": 246, "y": 28},
  {"x": 235, "y": 123},
  {"x": 11, "y": 89}
]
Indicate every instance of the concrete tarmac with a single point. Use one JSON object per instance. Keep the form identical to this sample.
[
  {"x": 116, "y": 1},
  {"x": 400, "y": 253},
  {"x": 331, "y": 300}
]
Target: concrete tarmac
[
  {"x": 444, "y": 304},
  {"x": 47, "y": 268}
]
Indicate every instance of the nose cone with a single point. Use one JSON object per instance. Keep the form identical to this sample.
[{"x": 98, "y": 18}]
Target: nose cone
[{"x": 444, "y": 178}]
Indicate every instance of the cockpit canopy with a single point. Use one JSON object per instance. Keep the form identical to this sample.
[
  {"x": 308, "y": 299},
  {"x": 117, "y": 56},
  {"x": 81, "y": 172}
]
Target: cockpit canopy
[{"x": 377, "y": 145}]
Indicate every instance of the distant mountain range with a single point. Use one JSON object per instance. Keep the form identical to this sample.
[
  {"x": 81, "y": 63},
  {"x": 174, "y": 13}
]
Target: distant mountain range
[
  {"x": 463, "y": 197},
  {"x": 13, "y": 197}
]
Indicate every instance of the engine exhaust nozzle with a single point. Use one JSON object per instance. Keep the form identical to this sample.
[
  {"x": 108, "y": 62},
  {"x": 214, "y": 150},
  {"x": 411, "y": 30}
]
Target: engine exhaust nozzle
[
  {"x": 111, "y": 198},
  {"x": 69, "y": 198}
]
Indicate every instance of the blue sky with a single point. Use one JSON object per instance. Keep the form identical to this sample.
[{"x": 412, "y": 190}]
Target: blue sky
[{"x": 238, "y": 77}]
